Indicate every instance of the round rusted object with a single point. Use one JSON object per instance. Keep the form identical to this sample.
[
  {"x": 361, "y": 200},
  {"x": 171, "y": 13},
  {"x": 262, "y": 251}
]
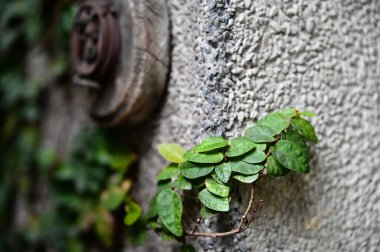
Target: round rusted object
[
  {"x": 95, "y": 40},
  {"x": 134, "y": 91}
]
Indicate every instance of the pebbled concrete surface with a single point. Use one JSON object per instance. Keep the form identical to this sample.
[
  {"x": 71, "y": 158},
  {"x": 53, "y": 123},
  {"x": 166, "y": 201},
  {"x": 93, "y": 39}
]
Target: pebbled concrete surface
[{"x": 235, "y": 60}]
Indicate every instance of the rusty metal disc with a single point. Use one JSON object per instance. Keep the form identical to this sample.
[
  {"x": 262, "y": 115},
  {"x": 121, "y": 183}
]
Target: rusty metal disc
[{"x": 95, "y": 40}]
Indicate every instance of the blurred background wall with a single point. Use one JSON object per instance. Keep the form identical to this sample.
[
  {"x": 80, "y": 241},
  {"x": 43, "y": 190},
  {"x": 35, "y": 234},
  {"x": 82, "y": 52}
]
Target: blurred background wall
[{"x": 231, "y": 63}]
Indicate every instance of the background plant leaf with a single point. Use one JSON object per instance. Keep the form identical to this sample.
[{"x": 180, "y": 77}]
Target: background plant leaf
[{"x": 133, "y": 212}]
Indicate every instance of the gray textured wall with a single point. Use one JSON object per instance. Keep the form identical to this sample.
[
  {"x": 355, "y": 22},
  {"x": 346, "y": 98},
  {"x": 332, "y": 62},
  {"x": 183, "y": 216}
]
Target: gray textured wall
[{"x": 235, "y": 60}]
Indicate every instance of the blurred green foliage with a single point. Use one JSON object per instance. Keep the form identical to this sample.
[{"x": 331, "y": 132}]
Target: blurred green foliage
[{"x": 48, "y": 204}]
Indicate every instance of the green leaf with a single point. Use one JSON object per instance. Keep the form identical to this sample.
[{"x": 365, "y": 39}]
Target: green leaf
[
  {"x": 274, "y": 121},
  {"x": 212, "y": 143},
  {"x": 187, "y": 248},
  {"x": 121, "y": 161},
  {"x": 246, "y": 178},
  {"x": 245, "y": 168},
  {"x": 274, "y": 168},
  {"x": 305, "y": 128},
  {"x": 113, "y": 197},
  {"x": 294, "y": 136},
  {"x": 216, "y": 188},
  {"x": 259, "y": 134},
  {"x": 168, "y": 172},
  {"x": 133, "y": 212},
  {"x": 166, "y": 236},
  {"x": 182, "y": 183},
  {"x": 213, "y": 202},
  {"x": 308, "y": 113},
  {"x": 239, "y": 146},
  {"x": 254, "y": 157},
  {"x": 288, "y": 112},
  {"x": 216, "y": 178},
  {"x": 207, "y": 213},
  {"x": 169, "y": 207},
  {"x": 152, "y": 208},
  {"x": 261, "y": 147},
  {"x": 267, "y": 127},
  {"x": 205, "y": 158},
  {"x": 171, "y": 152},
  {"x": 290, "y": 155},
  {"x": 223, "y": 171},
  {"x": 193, "y": 170}
]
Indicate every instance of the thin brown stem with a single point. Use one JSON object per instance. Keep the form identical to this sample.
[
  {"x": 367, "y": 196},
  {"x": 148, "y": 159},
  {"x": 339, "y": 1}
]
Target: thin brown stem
[{"x": 243, "y": 224}]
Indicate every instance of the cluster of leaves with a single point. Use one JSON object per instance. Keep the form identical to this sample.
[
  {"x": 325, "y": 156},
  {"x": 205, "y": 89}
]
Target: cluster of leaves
[
  {"x": 90, "y": 190},
  {"x": 275, "y": 145}
]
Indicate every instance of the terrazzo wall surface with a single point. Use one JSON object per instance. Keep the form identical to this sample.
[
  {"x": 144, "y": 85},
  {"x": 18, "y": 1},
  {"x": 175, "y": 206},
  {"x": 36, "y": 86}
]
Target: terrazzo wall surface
[{"x": 232, "y": 62}]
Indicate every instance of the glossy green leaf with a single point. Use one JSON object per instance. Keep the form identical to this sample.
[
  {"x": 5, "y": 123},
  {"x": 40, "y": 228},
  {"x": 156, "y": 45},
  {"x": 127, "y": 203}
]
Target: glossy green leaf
[
  {"x": 216, "y": 188},
  {"x": 305, "y": 129},
  {"x": 207, "y": 213},
  {"x": 307, "y": 113},
  {"x": 259, "y": 134},
  {"x": 194, "y": 170},
  {"x": 274, "y": 168},
  {"x": 212, "y": 143},
  {"x": 171, "y": 152},
  {"x": 267, "y": 127},
  {"x": 246, "y": 178},
  {"x": 112, "y": 198},
  {"x": 294, "y": 136},
  {"x": 216, "y": 178},
  {"x": 168, "y": 172},
  {"x": 261, "y": 147},
  {"x": 169, "y": 207},
  {"x": 291, "y": 156},
  {"x": 205, "y": 158},
  {"x": 213, "y": 202},
  {"x": 223, "y": 171},
  {"x": 182, "y": 183},
  {"x": 245, "y": 168},
  {"x": 254, "y": 157},
  {"x": 133, "y": 212},
  {"x": 239, "y": 146},
  {"x": 274, "y": 121}
]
